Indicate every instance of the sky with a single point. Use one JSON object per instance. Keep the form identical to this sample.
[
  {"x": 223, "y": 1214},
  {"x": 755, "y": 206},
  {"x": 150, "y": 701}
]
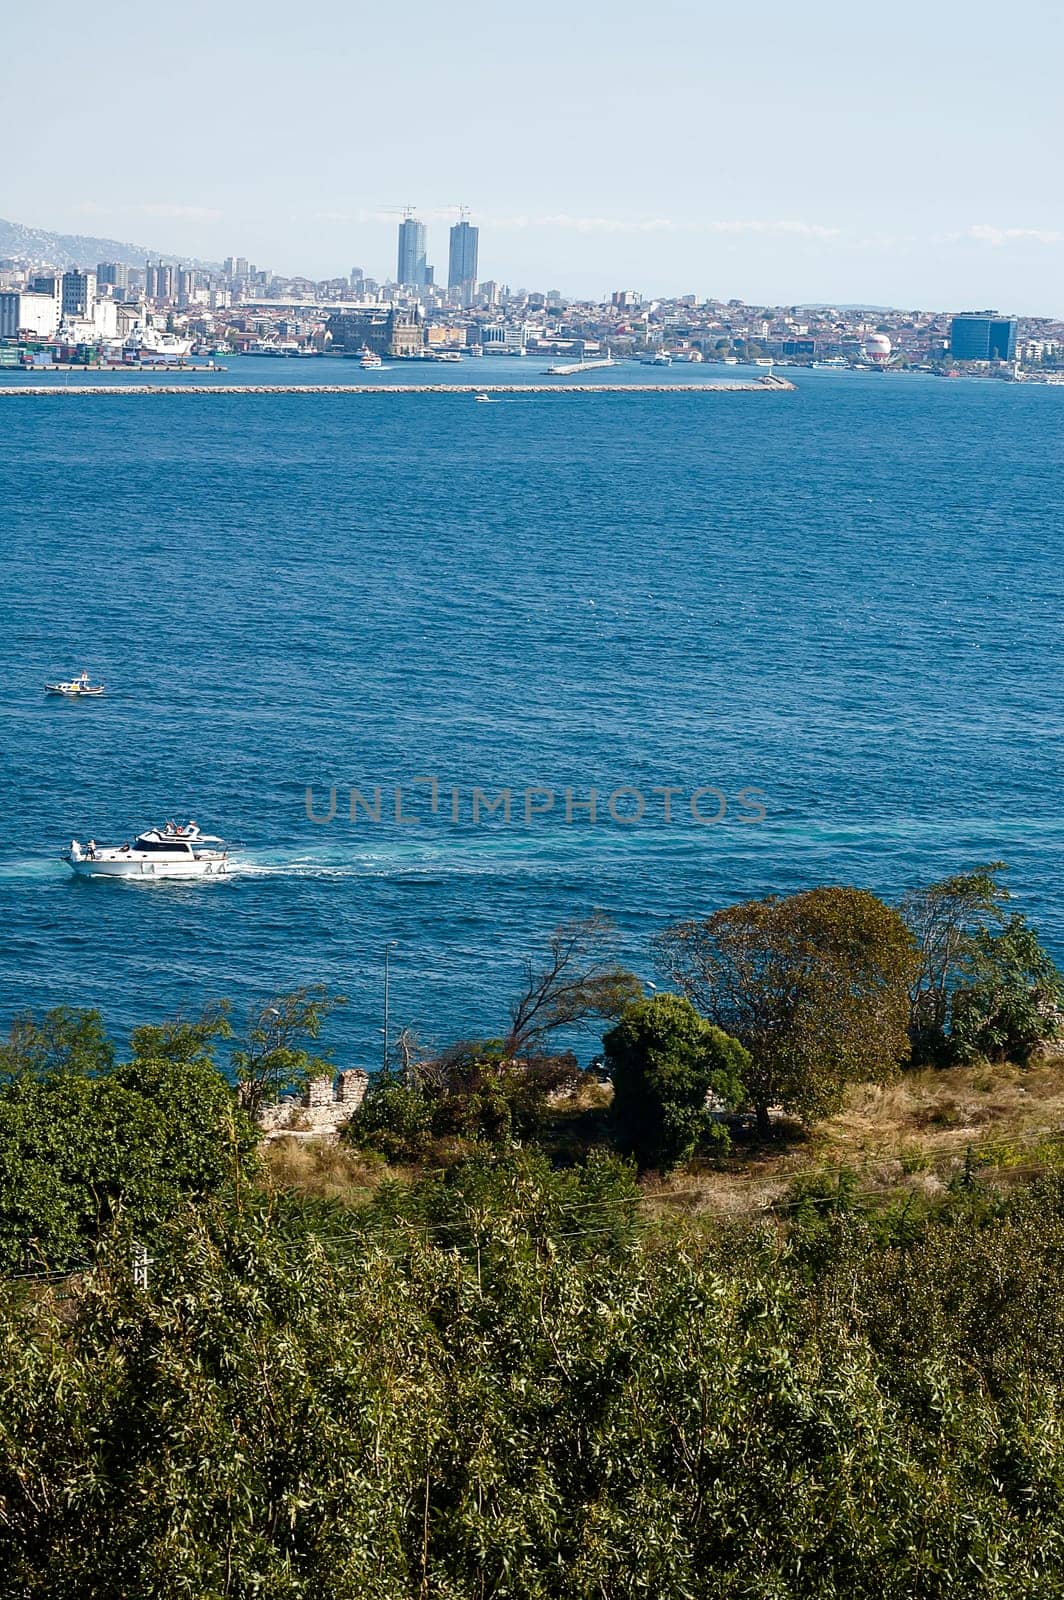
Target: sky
[{"x": 905, "y": 155}]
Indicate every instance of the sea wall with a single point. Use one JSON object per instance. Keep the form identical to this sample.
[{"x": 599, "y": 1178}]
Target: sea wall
[{"x": 767, "y": 385}]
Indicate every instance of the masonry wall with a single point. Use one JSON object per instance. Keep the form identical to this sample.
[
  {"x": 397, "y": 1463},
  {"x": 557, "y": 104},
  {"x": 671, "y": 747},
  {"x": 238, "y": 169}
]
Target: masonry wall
[{"x": 321, "y": 1111}]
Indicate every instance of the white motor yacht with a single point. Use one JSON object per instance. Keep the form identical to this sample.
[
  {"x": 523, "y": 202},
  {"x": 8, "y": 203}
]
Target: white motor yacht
[{"x": 169, "y": 852}]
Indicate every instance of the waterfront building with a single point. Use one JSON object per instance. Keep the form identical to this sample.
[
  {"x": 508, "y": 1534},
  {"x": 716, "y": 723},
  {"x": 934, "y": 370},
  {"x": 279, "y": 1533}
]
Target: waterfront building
[
  {"x": 462, "y": 261},
  {"x": 79, "y": 294},
  {"x": 982, "y": 336},
  {"x": 504, "y": 339},
  {"x": 413, "y": 271},
  {"x": 384, "y": 330},
  {"x": 23, "y": 312}
]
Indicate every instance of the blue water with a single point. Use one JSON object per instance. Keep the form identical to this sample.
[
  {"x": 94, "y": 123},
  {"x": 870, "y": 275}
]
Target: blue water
[{"x": 848, "y": 598}]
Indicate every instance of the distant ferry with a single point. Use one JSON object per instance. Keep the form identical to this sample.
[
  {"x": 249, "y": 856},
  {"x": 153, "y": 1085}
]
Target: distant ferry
[
  {"x": 370, "y": 360},
  {"x": 762, "y": 361},
  {"x": 662, "y": 359},
  {"x": 275, "y": 347},
  {"x": 447, "y": 355},
  {"x": 152, "y": 344}
]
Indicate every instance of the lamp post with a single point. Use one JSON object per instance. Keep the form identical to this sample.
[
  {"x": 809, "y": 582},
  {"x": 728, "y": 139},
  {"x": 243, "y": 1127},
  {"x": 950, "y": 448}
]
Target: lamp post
[{"x": 388, "y": 948}]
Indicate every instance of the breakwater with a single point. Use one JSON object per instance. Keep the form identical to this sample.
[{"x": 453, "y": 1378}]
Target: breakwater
[{"x": 761, "y": 386}]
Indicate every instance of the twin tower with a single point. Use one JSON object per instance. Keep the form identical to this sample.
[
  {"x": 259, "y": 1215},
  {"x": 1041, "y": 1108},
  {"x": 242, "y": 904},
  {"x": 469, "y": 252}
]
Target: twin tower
[{"x": 413, "y": 270}]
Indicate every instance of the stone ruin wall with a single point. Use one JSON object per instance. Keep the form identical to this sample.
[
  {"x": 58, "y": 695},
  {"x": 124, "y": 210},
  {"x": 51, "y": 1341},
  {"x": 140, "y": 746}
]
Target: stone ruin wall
[{"x": 322, "y": 1109}]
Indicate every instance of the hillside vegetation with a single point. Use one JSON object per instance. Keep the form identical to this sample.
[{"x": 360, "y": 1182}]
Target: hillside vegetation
[{"x": 766, "y": 1304}]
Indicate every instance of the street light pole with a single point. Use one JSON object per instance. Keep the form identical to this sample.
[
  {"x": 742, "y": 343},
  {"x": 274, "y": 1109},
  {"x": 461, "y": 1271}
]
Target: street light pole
[{"x": 388, "y": 948}]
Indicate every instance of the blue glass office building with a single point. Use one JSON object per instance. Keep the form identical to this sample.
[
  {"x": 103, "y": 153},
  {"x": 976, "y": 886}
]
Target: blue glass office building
[{"x": 982, "y": 337}]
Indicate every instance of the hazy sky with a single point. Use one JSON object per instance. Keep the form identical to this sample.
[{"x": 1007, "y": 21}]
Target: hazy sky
[{"x": 906, "y": 154}]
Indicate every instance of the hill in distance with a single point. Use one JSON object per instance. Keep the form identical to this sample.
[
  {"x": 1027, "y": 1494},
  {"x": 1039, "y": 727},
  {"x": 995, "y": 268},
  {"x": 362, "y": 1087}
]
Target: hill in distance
[{"x": 38, "y": 247}]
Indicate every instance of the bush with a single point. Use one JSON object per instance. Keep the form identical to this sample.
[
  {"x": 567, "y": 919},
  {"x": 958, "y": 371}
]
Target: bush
[
  {"x": 78, "y": 1154},
  {"x": 394, "y": 1119},
  {"x": 665, "y": 1060}
]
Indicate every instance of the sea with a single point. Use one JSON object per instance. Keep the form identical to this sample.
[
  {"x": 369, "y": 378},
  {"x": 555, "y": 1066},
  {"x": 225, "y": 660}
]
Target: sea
[{"x": 787, "y": 638}]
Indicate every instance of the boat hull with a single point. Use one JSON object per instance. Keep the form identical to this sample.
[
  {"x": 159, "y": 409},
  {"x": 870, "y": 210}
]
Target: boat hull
[{"x": 142, "y": 870}]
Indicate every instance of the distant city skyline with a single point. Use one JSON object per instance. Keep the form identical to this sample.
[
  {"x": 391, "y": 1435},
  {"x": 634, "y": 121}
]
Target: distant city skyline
[{"x": 802, "y": 155}]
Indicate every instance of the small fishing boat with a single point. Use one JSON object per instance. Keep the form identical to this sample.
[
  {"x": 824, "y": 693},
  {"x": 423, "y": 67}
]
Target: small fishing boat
[
  {"x": 75, "y": 688},
  {"x": 484, "y": 399},
  {"x": 169, "y": 852}
]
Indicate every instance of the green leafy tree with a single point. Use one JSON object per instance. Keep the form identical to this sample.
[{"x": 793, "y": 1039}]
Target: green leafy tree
[
  {"x": 183, "y": 1039},
  {"x": 470, "y": 1092},
  {"x": 945, "y": 918},
  {"x": 504, "y": 1381},
  {"x": 815, "y": 985},
  {"x": 664, "y": 1061},
  {"x": 1010, "y": 997},
  {"x": 66, "y": 1039},
  {"x": 394, "y": 1119},
  {"x": 272, "y": 1058},
  {"x": 80, "y": 1154}
]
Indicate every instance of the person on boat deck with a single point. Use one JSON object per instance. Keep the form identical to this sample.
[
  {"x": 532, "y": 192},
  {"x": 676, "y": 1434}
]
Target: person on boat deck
[{"x": 90, "y": 849}]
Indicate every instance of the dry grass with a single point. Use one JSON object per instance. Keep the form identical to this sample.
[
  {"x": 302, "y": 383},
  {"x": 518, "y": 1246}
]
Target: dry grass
[
  {"x": 324, "y": 1170},
  {"x": 911, "y": 1137},
  {"x": 940, "y": 1114}
]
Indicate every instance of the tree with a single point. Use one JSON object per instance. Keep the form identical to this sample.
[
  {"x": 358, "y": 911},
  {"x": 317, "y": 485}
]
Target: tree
[
  {"x": 1010, "y": 997},
  {"x": 579, "y": 982},
  {"x": 273, "y": 1056},
  {"x": 80, "y": 1153},
  {"x": 945, "y": 918},
  {"x": 66, "y": 1039},
  {"x": 665, "y": 1060},
  {"x": 181, "y": 1040},
  {"x": 815, "y": 985},
  {"x": 394, "y": 1119}
]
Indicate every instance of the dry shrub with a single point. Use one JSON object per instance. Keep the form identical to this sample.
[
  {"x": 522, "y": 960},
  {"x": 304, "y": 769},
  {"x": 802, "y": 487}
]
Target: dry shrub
[{"x": 323, "y": 1169}]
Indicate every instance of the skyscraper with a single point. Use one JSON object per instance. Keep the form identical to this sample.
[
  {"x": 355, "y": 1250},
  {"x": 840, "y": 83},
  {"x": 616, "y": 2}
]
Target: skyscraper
[
  {"x": 462, "y": 264},
  {"x": 413, "y": 267}
]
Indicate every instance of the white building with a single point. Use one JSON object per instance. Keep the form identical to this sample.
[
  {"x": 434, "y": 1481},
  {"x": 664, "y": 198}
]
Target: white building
[
  {"x": 22, "y": 312},
  {"x": 502, "y": 339}
]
